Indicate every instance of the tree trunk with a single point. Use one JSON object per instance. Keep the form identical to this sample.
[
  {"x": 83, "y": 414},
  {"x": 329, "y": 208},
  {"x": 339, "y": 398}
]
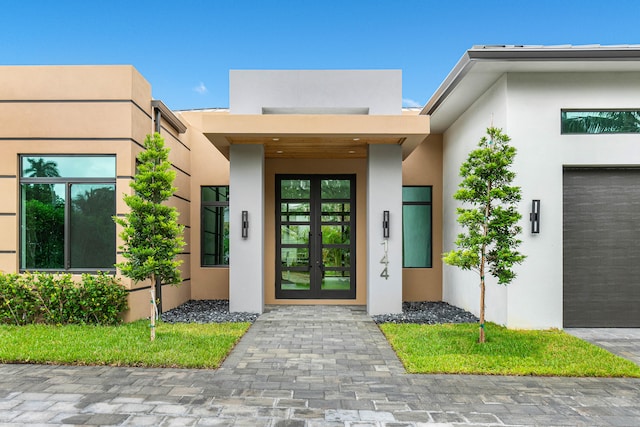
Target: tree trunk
[
  {"x": 152, "y": 318},
  {"x": 158, "y": 294},
  {"x": 481, "y": 337},
  {"x": 483, "y": 259}
]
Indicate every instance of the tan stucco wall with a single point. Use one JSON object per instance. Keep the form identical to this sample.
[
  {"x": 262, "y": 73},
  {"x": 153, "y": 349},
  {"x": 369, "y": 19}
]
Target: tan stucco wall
[
  {"x": 180, "y": 158},
  {"x": 209, "y": 167},
  {"x": 424, "y": 167},
  {"x": 80, "y": 110},
  {"x": 311, "y": 166}
]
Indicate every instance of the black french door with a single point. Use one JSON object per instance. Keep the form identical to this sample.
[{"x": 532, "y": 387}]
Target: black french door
[{"x": 315, "y": 236}]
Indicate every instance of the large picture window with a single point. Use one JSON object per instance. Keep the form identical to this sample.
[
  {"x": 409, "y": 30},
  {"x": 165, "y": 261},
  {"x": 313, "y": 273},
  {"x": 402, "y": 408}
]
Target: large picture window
[
  {"x": 416, "y": 227},
  {"x": 600, "y": 121},
  {"x": 66, "y": 208},
  {"x": 215, "y": 226}
]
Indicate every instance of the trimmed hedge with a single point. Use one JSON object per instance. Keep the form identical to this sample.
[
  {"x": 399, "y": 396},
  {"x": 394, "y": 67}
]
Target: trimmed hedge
[{"x": 58, "y": 300}]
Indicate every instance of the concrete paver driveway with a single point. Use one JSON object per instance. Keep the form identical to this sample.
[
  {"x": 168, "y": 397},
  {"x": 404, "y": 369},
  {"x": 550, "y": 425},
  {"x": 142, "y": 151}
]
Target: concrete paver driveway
[
  {"x": 624, "y": 342},
  {"x": 307, "y": 366}
]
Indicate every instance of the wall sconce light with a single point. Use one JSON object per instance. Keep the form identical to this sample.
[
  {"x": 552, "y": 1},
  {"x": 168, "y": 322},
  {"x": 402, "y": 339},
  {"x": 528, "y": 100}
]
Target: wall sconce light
[
  {"x": 385, "y": 224},
  {"x": 534, "y": 217},
  {"x": 245, "y": 224}
]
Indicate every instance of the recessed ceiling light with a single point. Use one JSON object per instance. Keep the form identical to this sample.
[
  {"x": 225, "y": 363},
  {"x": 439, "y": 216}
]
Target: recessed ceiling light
[
  {"x": 275, "y": 139},
  {"x": 356, "y": 139},
  {"x": 279, "y": 152},
  {"x": 351, "y": 151}
]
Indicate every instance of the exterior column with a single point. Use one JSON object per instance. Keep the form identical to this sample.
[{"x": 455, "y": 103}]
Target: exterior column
[
  {"x": 384, "y": 193},
  {"x": 246, "y": 254}
]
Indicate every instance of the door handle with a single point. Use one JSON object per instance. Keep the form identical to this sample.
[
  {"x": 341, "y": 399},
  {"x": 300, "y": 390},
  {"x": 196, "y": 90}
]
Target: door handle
[{"x": 321, "y": 267}]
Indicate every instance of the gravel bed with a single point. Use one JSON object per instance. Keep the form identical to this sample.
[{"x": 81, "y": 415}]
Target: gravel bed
[
  {"x": 427, "y": 312},
  {"x": 217, "y": 311},
  {"x": 206, "y": 311}
]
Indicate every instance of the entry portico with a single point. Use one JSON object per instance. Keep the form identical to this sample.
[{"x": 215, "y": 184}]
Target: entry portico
[{"x": 343, "y": 135}]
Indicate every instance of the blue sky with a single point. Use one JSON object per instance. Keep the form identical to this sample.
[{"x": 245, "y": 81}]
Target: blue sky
[{"x": 186, "y": 48}]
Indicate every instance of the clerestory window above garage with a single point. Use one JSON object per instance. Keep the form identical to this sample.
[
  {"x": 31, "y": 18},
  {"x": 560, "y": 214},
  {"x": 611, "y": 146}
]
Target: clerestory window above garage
[{"x": 600, "y": 121}]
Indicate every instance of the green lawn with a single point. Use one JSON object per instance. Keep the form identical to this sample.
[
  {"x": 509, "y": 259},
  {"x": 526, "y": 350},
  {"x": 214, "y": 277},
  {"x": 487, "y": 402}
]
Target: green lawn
[
  {"x": 453, "y": 349},
  {"x": 176, "y": 345}
]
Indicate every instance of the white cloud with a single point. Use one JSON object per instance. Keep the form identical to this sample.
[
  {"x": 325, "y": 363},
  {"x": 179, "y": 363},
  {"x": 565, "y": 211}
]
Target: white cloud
[
  {"x": 408, "y": 102},
  {"x": 201, "y": 89}
]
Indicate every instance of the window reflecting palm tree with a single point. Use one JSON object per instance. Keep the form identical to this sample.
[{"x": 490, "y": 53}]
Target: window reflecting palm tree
[{"x": 601, "y": 122}]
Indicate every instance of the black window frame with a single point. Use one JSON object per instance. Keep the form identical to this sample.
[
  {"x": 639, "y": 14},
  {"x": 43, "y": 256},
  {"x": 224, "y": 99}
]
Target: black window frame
[
  {"x": 420, "y": 203},
  {"x": 315, "y": 248},
  {"x": 68, "y": 182},
  {"x": 208, "y": 204},
  {"x": 593, "y": 111}
]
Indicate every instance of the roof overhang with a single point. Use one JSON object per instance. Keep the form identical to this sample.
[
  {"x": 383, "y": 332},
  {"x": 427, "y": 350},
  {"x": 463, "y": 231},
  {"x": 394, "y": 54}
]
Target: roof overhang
[
  {"x": 168, "y": 115},
  {"x": 315, "y": 135},
  {"x": 480, "y": 67}
]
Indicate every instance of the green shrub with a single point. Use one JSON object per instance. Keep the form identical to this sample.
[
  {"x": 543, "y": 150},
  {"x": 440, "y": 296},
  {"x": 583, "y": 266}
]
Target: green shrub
[
  {"x": 57, "y": 299},
  {"x": 17, "y": 301},
  {"x": 103, "y": 299}
]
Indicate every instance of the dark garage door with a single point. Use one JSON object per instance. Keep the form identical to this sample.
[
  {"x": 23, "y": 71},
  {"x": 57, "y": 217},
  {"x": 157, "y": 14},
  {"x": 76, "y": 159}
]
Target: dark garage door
[{"x": 601, "y": 247}]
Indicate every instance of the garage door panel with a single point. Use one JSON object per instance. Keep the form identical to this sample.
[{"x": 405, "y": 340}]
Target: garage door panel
[{"x": 601, "y": 247}]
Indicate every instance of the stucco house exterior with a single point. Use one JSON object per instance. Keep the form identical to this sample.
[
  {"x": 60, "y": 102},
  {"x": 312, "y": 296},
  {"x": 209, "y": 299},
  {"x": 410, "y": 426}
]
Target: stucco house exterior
[{"x": 317, "y": 187}]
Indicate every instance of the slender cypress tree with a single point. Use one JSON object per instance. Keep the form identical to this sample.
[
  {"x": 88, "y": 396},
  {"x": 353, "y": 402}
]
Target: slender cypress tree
[
  {"x": 151, "y": 234},
  {"x": 490, "y": 239}
]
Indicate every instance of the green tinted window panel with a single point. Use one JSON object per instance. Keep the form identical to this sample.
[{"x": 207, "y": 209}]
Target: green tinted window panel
[
  {"x": 335, "y": 189},
  {"x": 336, "y": 257},
  {"x": 600, "y": 121},
  {"x": 295, "y": 189},
  {"x": 416, "y": 194},
  {"x": 68, "y": 166},
  {"x": 295, "y": 234},
  {"x": 336, "y": 234},
  {"x": 92, "y": 229},
  {"x": 215, "y": 193},
  {"x": 295, "y": 212},
  {"x": 294, "y": 257},
  {"x": 215, "y": 235},
  {"x": 328, "y": 208},
  {"x": 416, "y": 236},
  {"x": 42, "y": 231},
  {"x": 336, "y": 280},
  {"x": 295, "y": 280}
]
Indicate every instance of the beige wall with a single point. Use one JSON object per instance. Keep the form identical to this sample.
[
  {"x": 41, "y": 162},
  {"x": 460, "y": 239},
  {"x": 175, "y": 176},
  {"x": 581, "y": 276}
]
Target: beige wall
[
  {"x": 209, "y": 167},
  {"x": 180, "y": 158},
  {"x": 311, "y": 166},
  {"x": 81, "y": 110},
  {"x": 424, "y": 167}
]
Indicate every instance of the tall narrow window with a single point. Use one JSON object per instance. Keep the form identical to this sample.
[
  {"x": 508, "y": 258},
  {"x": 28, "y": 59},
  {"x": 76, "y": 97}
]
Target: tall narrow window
[
  {"x": 214, "y": 226},
  {"x": 66, "y": 209},
  {"x": 416, "y": 227}
]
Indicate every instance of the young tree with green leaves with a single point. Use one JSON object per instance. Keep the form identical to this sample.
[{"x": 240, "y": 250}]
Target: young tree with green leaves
[
  {"x": 151, "y": 234},
  {"x": 490, "y": 239}
]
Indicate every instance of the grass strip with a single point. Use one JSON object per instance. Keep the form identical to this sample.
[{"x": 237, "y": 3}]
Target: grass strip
[
  {"x": 177, "y": 345},
  {"x": 453, "y": 349}
]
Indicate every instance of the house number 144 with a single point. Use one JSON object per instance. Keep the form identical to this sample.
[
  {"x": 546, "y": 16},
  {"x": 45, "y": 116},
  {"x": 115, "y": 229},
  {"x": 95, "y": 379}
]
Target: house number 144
[{"x": 385, "y": 260}]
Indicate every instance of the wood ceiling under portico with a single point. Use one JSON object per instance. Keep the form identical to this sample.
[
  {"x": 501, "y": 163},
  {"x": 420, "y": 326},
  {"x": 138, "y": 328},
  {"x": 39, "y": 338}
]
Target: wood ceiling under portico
[{"x": 320, "y": 136}]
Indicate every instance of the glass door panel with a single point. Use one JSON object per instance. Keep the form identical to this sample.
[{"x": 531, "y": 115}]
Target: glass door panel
[
  {"x": 336, "y": 281},
  {"x": 315, "y": 245},
  {"x": 295, "y": 280}
]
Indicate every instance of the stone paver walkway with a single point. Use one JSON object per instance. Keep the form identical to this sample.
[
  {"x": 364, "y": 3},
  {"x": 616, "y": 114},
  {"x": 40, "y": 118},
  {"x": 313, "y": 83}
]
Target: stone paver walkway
[
  {"x": 307, "y": 366},
  {"x": 624, "y": 342}
]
